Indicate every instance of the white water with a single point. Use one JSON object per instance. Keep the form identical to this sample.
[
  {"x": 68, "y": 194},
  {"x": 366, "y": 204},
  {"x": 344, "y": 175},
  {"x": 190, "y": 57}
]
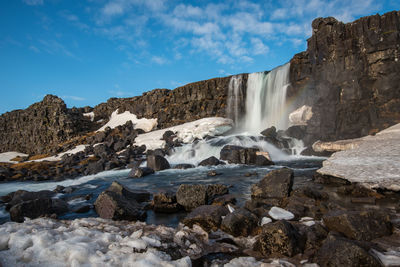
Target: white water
[
  {"x": 235, "y": 98},
  {"x": 194, "y": 153},
  {"x": 266, "y": 100}
]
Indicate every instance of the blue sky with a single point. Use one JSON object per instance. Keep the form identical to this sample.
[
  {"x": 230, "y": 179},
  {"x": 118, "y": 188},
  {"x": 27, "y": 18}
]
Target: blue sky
[{"x": 87, "y": 51}]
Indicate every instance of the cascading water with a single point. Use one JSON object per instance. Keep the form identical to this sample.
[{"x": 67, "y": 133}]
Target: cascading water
[
  {"x": 266, "y": 100},
  {"x": 235, "y": 98}
]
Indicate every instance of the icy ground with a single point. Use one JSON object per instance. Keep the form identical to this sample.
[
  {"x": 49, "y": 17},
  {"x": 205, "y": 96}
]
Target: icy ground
[
  {"x": 99, "y": 242},
  {"x": 120, "y": 119},
  {"x": 374, "y": 163},
  {"x": 6, "y": 157}
]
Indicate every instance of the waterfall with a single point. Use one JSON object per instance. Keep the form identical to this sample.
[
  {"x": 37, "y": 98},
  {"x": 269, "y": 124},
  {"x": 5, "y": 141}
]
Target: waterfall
[
  {"x": 235, "y": 98},
  {"x": 266, "y": 100}
]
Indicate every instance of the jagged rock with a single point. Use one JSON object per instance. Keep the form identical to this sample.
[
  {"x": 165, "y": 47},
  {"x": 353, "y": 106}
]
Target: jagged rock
[
  {"x": 191, "y": 196},
  {"x": 359, "y": 225},
  {"x": 135, "y": 195},
  {"x": 339, "y": 251},
  {"x": 224, "y": 200},
  {"x": 211, "y": 161},
  {"x": 275, "y": 186},
  {"x": 238, "y": 154},
  {"x": 263, "y": 161},
  {"x": 111, "y": 205},
  {"x": 206, "y": 216},
  {"x": 279, "y": 239},
  {"x": 270, "y": 132},
  {"x": 157, "y": 162},
  {"x": 140, "y": 172},
  {"x": 216, "y": 190},
  {"x": 240, "y": 222},
  {"x": 165, "y": 202},
  {"x": 36, "y": 208},
  {"x": 296, "y": 131}
]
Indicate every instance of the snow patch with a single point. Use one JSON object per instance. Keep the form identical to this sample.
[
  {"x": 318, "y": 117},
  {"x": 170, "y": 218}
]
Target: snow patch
[
  {"x": 120, "y": 119},
  {"x": 58, "y": 157},
  {"x": 280, "y": 214},
  {"x": 186, "y": 132},
  {"x": 6, "y": 157},
  {"x": 246, "y": 262},
  {"x": 90, "y": 115},
  {"x": 82, "y": 242}
]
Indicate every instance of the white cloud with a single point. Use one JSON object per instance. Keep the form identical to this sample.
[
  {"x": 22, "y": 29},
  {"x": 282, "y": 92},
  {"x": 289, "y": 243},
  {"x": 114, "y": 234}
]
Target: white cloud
[
  {"x": 33, "y": 2},
  {"x": 280, "y": 13},
  {"x": 113, "y": 9},
  {"x": 258, "y": 47},
  {"x": 34, "y": 49},
  {"x": 159, "y": 60},
  {"x": 72, "y": 97}
]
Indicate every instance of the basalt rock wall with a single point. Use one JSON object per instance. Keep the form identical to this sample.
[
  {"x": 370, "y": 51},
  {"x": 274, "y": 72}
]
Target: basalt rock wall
[
  {"x": 350, "y": 75},
  {"x": 41, "y": 127},
  {"x": 172, "y": 107}
]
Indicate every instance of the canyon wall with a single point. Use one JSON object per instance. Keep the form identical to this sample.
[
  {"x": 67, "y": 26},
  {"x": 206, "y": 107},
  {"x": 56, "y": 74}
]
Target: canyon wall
[{"x": 350, "y": 75}]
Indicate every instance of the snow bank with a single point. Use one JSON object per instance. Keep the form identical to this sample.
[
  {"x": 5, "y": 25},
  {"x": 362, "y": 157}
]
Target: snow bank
[
  {"x": 187, "y": 132},
  {"x": 82, "y": 242},
  {"x": 8, "y": 156},
  {"x": 89, "y": 115},
  {"x": 35, "y": 186},
  {"x": 58, "y": 157},
  {"x": 120, "y": 119}
]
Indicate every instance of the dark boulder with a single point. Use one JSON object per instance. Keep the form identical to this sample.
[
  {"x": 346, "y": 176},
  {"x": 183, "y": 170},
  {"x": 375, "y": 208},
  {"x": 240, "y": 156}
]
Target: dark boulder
[
  {"x": 359, "y": 225},
  {"x": 191, "y": 196},
  {"x": 216, "y": 190},
  {"x": 157, "y": 162},
  {"x": 279, "y": 239},
  {"x": 130, "y": 194},
  {"x": 238, "y": 154},
  {"x": 263, "y": 161},
  {"x": 339, "y": 251},
  {"x": 209, "y": 217},
  {"x": 240, "y": 222},
  {"x": 275, "y": 186},
  {"x": 224, "y": 200},
  {"x": 139, "y": 172},
  {"x": 82, "y": 208},
  {"x": 22, "y": 195},
  {"x": 111, "y": 205},
  {"x": 165, "y": 202},
  {"x": 296, "y": 131},
  {"x": 269, "y": 132},
  {"x": 211, "y": 161},
  {"x": 36, "y": 208}
]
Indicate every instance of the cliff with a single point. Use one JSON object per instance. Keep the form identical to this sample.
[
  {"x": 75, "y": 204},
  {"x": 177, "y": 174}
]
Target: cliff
[{"x": 349, "y": 75}]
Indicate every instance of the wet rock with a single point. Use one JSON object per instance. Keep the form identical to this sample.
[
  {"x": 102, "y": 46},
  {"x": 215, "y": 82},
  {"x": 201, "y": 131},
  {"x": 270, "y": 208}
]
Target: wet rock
[
  {"x": 165, "y": 202},
  {"x": 213, "y": 173},
  {"x": 269, "y": 132},
  {"x": 359, "y": 225},
  {"x": 240, "y": 222},
  {"x": 296, "y": 131},
  {"x": 216, "y": 190},
  {"x": 206, "y": 216},
  {"x": 82, "y": 209},
  {"x": 22, "y": 195},
  {"x": 184, "y": 166},
  {"x": 157, "y": 162},
  {"x": 339, "y": 251},
  {"x": 36, "y": 208},
  {"x": 275, "y": 186},
  {"x": 130, "y": 194},
  {"x": 238, "y": 154},
  {"x": 139, "y": 172},
  {"x": 224, "y": 200},
  {"x": 279, "y": 239},
  {"x": 191, "y": 196},
  {"x": 263, "y": 161},
  {"x": 111, "y": 205},
  {"x": 211, "y": 161}
]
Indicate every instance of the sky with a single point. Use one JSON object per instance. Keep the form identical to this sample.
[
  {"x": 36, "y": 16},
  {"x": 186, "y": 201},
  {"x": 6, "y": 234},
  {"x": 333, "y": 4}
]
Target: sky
[{"x": 86, "y": 51}]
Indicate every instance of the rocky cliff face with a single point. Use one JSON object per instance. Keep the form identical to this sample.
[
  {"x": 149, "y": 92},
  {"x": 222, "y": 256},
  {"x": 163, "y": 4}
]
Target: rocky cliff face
[
  {"x": 350, "y": 76},
  {"x": 41, "y": 127},
  {"x": 172, "y": 107}
]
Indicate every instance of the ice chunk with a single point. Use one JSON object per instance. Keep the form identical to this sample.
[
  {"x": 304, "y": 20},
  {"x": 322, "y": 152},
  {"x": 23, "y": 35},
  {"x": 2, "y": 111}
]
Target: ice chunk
[
  {"x": 280, "y": 214},
  {"x": 265, "y": 220},
  {"x": 230, "y": 208}
]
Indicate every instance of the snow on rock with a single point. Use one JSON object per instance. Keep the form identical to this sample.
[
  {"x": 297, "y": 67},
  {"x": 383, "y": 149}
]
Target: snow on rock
[
  {"x": 58, "y": 157},
  {"x": 265, "y": 220},
  {"x": 6, "y": 157},
  {"x": 82, "y": 242},
  {"x": 186, "y": 132},
  {"x": 389, "y": 258},
  {"x": 120, "y": 119},
  {"x": 248, "y": 262},
  {"x": 280, "y": 214},
  {"x": 373, "y": 163},
  {"x": 90, "y": 115}
]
